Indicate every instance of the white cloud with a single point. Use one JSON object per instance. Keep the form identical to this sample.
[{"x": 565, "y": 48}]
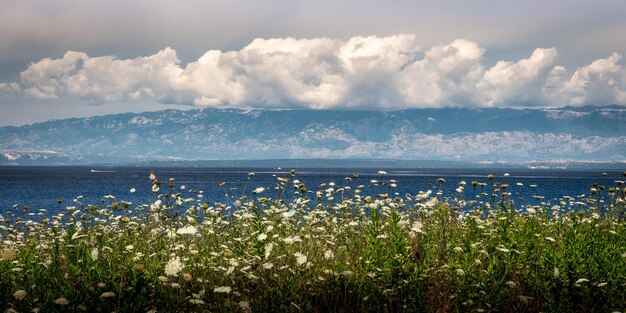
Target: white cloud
[
  {"x": 602, "y": 81},
  {"x": 361, "y": 73},
  {"x": 103, "y": 78},
  {"x": 445, "y": 76},
  {"x": 509, "y": 83},
  {"x": 9, "y": 88}
]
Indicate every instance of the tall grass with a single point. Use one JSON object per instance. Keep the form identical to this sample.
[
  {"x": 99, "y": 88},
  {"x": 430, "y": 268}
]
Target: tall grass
[{"x": 329, "y": 249}]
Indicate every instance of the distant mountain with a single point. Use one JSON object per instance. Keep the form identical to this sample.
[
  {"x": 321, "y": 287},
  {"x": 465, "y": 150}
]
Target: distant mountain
[{"x": 452, "y": 134}]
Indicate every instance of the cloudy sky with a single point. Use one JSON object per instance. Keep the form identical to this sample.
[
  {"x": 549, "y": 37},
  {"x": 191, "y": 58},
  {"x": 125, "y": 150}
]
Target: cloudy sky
[{"x": 80, "y": 58}]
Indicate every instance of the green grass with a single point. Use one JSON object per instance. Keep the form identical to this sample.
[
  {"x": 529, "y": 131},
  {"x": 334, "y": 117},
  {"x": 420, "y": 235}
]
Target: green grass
[{"x": 327, "y": 250}]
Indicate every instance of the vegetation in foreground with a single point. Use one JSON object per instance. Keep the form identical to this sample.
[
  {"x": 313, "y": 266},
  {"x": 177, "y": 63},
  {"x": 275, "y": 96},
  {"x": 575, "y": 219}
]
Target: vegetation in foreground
[{"x": 331, "y": 249}]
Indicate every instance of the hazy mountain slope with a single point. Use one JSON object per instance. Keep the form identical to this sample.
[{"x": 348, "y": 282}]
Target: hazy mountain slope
[{"x": 449, "y": 134}]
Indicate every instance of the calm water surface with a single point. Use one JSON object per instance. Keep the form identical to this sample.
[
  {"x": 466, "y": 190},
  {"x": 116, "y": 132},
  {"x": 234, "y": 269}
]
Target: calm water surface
[{"x": 44, "y": 187}]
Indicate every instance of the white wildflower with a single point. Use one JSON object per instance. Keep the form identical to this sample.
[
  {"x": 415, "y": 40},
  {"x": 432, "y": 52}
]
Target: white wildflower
[
  {"x": 291, "y": 240},
  {"x": 230, "y": 270},
  {"x": 300, "y": 258},
  {"x": 288, "y": 214},
  {"x": 173, "y": 267},
  {"x": 261, "y": 237},
  {"x": 460, "y": 272},
  {"x": 244, "y": 305},
  {"x": 61, "y": 301},
  {"x": 417, "y": 227},
  {"x": 502, "y": 249},
  {"x": 258, "y": 190},
  {"x": 94, "y": 254},
  {"x": 328, "y": 254},
  {"x": 187, "y": 230},
  {"x": 432, "y": 202},
  {"x": 132, "y": 190},
  {"x": 556, "y": 272},
  {"x": 223, "y": 289},
  {"x": 268, "y": 249},
  {"x": 198, "y": 295},
  {"x": 108, "y": 294},
  {"x": 20, "y": 294}
]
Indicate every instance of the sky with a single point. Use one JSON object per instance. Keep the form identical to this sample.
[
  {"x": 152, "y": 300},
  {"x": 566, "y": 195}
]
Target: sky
[{"x": 79, "y": 58}]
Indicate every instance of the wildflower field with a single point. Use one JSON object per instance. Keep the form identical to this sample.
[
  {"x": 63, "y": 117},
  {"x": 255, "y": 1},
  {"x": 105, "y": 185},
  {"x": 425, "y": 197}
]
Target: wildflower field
[{"x": 324, "y": 248}]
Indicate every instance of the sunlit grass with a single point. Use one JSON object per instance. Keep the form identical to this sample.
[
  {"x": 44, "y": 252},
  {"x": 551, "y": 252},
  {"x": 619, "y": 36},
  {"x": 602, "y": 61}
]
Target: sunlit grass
[{"x": 324, "y": 248}]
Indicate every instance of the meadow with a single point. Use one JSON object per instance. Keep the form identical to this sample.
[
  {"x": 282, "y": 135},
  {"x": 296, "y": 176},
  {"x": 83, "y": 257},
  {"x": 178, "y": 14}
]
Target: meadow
[{"x": 323, "y": 248}]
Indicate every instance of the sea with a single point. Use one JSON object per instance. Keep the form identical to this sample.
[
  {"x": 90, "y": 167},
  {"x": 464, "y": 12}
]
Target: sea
[{"x": 55, "y": 188}]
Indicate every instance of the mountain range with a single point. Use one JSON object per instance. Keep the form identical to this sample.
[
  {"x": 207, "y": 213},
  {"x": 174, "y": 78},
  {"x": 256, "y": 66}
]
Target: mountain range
[{"x": 449, "y": 134}]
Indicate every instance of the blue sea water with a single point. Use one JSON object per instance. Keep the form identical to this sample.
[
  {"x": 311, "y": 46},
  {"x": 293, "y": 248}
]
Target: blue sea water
[{"x": 54, "y": 188}]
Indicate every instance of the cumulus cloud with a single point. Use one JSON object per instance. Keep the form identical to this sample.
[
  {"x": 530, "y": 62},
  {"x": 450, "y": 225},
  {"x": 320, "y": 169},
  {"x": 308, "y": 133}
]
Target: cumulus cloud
[
  {"x": 360, "y": 73},
  {"x": 445, "y": 76},
  {"x": 103, "y": 78},
  {"x": 10, "y": 88},
  {"x": 518, "y": 83},
  {"x": 602, "y": 81}
]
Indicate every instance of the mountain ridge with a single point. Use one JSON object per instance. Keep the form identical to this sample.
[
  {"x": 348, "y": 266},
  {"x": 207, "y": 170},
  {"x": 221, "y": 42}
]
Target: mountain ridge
[{"x": 456, "y": 134}]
